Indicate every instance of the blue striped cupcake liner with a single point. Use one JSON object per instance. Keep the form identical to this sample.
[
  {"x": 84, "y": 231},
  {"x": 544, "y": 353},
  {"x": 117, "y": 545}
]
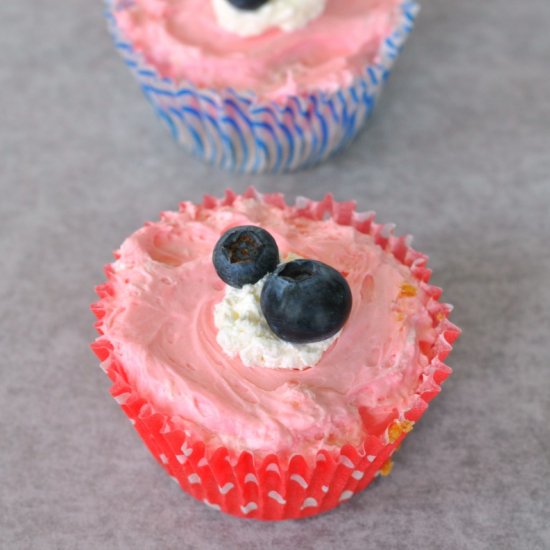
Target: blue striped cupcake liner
[{"x": 240, "y": 132}]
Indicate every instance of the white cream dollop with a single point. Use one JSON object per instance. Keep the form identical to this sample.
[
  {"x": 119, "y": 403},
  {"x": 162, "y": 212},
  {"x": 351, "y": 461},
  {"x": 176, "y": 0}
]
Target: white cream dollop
[
  {"x": 243, "y": 331},
  {"x": 287, "y": 15}
]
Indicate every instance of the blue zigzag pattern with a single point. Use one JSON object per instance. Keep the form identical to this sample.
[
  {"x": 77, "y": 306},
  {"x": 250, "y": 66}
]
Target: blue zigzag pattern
[{"x": 239, "y": 132}]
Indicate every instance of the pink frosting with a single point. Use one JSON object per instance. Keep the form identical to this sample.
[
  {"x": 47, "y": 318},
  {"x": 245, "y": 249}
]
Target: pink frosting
[
  {"x": 159, "y": 318},
  {"x": 184, "y": 41}
]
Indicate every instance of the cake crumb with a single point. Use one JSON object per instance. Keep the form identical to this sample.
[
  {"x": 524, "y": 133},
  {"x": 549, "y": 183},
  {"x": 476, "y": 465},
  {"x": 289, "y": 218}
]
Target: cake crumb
[
  {"x": 398, "y": 428},
  {"x": 407, "y": 291},
  {"x": 386, "y": 468}
]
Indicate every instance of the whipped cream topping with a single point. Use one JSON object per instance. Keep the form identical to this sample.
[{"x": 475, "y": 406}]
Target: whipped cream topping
[
  {"x": 184, "y": 41},
  {"x": 159, "y": 319},
  {"x": 243, "y": 331},
  {"x": 287, "y": 15}
]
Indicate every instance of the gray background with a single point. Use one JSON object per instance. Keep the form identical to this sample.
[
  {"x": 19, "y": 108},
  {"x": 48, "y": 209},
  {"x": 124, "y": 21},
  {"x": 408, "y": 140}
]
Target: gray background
[{"x": 458, "y": 154}]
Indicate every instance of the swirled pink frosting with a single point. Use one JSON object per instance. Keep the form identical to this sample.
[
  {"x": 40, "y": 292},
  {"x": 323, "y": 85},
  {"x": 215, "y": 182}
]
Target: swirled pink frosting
[
  {"x": 184, "y": 41},
  {"x": 159, "y": 319}
]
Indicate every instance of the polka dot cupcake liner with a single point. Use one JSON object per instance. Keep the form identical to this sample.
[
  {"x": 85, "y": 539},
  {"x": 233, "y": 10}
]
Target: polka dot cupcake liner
[
  {"x": 239, "y": 132},
  {"x": 276, "y": 486}
]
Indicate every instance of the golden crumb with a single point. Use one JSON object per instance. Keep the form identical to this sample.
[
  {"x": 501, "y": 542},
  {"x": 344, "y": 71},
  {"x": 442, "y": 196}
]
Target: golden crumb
[
  {"x": 386, "y": 468},
  {"x": 400, "y": 316},
  {"x": 407, "y": 291},
  {"x": 398, "y": 428}
]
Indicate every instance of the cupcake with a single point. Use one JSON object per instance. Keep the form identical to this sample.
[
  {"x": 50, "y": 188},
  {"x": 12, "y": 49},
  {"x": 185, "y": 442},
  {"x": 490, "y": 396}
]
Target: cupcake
[
  {"x": 261, "y": 85},
  {"x": 272, "y": 357}
]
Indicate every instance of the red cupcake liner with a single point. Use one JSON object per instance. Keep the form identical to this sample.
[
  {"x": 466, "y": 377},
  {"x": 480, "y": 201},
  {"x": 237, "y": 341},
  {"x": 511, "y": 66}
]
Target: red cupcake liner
[{"x": 277, "y": 487}]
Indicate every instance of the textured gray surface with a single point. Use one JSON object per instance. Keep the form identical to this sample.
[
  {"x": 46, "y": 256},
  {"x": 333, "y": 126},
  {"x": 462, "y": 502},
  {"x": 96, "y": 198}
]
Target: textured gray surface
[{"x": 458, "y": 154}]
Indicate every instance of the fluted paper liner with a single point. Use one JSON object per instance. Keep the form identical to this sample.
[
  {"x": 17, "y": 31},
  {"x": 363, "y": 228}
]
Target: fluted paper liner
[
  {"x": 277, "y": 487},
  {"x": 236, "y": 130}
]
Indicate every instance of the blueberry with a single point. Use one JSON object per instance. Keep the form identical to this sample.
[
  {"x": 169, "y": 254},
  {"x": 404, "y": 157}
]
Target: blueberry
[
  {"x": 305, "y": 301},
  {"x": 244, "y": 255},
  {"x": 248, "y": 4}
]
